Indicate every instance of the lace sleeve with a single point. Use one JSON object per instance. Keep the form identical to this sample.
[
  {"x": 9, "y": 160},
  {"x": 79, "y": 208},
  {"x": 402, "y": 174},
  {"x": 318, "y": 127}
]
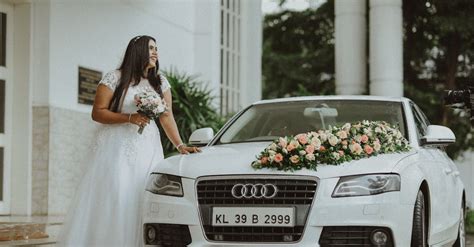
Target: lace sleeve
[
  {"x": 165, "y": 85},
  {"x": 110, "y": 80}
]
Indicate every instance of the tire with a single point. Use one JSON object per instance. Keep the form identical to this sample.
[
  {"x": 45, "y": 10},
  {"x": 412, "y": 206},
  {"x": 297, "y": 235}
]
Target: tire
[
  {"x": 461, "y": 240},
  {"x": 419, "y": 230}
]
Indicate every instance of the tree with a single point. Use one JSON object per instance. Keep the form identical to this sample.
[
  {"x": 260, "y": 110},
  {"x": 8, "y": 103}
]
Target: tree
[
  {"x": 298, "y": 52},
  {"x": 438, "y": 50}
]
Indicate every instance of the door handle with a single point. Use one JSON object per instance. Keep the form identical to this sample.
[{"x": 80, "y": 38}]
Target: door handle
[{"x": 447, "y": 171}]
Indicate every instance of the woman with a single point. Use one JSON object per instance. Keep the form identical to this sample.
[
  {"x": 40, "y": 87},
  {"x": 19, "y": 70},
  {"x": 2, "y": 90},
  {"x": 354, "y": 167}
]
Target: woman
[{"x": 107, "y": 208}]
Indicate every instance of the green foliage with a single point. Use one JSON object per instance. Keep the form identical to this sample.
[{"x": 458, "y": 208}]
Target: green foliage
[
  {"x": 298, "y": 52},
  {"x": 438, "y": 50},
  {"x": 192, "y": 107},
  {"x": 470, "y": 222}
]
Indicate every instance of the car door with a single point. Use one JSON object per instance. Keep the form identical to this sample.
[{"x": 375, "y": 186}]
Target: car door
[
  {"x": 436, "y": 174},
  {"x": 453, "y": 182}
]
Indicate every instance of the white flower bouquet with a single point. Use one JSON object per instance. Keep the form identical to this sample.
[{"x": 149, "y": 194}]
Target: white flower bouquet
[
  {"x": 150, "y": 104},
  {"x": 334, "y": 146}
]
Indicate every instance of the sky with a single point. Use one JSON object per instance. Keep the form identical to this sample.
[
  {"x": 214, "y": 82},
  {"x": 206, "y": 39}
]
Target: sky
[{"x": 271, "y": 6}]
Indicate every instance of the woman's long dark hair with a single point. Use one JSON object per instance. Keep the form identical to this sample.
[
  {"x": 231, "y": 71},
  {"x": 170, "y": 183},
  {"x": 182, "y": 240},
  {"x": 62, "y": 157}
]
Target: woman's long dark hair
[{"x": 134, "y": 63}]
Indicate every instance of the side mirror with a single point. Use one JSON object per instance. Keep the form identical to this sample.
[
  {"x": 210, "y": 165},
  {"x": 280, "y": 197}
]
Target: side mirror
[
  {"x": 201, "y": 137},
  {"x": 438, "y": 135}
]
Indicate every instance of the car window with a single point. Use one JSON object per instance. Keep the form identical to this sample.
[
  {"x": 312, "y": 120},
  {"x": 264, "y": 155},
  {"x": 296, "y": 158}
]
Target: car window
[
  {"x": 420, "y": 121},
  {"x": 269, "y": 121}
]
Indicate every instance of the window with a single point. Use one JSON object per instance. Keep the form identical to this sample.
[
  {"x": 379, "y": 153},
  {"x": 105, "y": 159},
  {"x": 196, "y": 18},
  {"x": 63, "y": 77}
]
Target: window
[
  {"x": 2, "y": 106},
  {"x": 230, "y": 56},
  {"x": 420, "y": 121},
  {"x": 3, "y": 39}
]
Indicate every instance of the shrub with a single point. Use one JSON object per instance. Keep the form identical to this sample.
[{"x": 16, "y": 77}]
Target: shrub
[{"x": 192, "y": 107}]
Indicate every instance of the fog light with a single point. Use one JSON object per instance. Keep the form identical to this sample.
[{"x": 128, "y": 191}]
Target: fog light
[
  {"x": 287, "y": 238},
  {"x": 379, "y": 237},
  {"x": 150, "y": 234},
  {"x": 219, "y": 237}
]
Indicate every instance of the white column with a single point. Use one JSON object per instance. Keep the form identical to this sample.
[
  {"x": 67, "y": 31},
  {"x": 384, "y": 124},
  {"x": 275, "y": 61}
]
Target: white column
[
  {"x": 386, "y": 48},
  {"x": 251, "y": 45},
  {"x": 351, "y": 75},
  {"x": 21, "y": 170}
]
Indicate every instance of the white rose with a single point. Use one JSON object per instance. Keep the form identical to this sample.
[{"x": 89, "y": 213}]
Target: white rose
[
  {"x": 323, "y": 137},
  {"x": 271, "y": 158},
  {"x": 273, "y": 146},
  {"x": 302, "y": 152},
  {"x": 346, "y": 127},
  {"x": 333, "y": 140},
  {"x": 310, "y": 157},
  {"x": 316, "y": 143}
]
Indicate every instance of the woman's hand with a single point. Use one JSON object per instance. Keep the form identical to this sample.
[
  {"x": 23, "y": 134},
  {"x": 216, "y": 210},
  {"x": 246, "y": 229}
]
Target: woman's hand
[
  {"x": 183, "y": 149},
  {"x": 139, "y": 119}
]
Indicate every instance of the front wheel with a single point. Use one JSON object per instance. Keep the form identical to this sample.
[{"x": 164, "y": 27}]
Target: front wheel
[
  {"x": 461, "y": 240},
  {"x": 419, "y": 230}
]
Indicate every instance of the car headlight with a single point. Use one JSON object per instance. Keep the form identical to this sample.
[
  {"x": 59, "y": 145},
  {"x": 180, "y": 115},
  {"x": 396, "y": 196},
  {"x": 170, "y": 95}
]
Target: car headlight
[
  {"x": 364, "y": 185},
  {"x": 165, "y": 184}
]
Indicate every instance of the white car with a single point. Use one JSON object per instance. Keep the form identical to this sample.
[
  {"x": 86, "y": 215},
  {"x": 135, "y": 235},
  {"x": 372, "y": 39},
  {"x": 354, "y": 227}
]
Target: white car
[{"x": 216, "y": 198}]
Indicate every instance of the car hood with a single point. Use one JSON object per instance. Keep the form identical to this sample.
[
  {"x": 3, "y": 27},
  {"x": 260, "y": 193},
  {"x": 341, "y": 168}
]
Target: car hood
[{"x": 235, "y": 159}]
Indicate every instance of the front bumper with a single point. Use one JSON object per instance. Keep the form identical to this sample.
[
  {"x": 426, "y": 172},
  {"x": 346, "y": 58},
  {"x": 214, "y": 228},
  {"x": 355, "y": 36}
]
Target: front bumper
[{"x": 383, "y": 210}]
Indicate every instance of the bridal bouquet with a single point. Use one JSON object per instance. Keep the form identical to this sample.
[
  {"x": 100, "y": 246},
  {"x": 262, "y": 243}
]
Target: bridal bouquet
[
  {"x": 351, "y": 141},
  {"x": 150, "y": 104}
]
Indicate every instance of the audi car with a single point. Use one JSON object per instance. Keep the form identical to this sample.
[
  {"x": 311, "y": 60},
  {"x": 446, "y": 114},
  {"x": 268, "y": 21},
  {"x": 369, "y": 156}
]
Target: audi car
[{"x": 216, "y": 197}]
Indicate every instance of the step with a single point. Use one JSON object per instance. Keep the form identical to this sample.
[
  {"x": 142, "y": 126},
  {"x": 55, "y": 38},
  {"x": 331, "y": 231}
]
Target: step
[{"x": 29, "y": 231}]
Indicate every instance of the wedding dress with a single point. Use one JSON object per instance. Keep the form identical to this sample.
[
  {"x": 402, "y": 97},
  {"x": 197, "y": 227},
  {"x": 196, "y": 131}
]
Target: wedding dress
[{"x": 107, "y": 207}]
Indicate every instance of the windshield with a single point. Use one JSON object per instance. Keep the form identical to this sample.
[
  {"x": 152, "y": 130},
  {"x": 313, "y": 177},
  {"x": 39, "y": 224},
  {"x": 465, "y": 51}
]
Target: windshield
[{"x": 266, "y": 122}]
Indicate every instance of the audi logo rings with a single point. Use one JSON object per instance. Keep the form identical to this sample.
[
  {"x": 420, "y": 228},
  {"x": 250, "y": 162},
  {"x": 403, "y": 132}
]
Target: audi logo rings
[{"x": 254, "y": 191}]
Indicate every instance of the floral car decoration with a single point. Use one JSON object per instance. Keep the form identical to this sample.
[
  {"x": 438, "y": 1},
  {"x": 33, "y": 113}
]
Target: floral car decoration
[{"x": 352, "y": 141}]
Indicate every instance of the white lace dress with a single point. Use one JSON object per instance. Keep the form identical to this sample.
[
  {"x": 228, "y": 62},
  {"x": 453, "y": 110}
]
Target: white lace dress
[{"x": 106, "y": 210}]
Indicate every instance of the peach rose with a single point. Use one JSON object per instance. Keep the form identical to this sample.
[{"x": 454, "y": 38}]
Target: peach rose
[
  {"x": 302, "y": 138},
  {"x": 368, "y": 149},
  {"x": 342, "y": 134},
  {"x": 278, "y": 158},
  {"x": 264, "y": 160},
  {"x": 294, "y": 159},
  {"x": 355, "y": 148},
  {"x": 364, "y": 138},
  {"x": 310, "y": 149},
  {"x": 290, "y": 147}
]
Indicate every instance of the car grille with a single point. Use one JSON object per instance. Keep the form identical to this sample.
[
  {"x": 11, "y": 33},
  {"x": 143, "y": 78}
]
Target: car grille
[
  {"x": 351, "y": 236},
  {"x": 293, "y": 191}
]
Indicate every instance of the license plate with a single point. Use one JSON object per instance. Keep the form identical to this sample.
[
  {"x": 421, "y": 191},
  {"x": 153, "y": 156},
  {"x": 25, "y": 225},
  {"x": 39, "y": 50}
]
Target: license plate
[{"x": 253, "y": 216}]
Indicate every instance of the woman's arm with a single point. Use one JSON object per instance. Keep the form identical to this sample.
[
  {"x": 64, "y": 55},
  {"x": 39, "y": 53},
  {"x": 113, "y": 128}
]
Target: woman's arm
[
  {"x": 102, "y": 114},
  {"x": 169, "y": 125}
]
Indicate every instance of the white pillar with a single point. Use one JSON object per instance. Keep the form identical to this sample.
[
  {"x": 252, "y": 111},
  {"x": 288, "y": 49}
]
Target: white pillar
[
  {"x": 251, "y": 53},
  {"x": 351, "y": 75},
  {"x": 386, "y": 48},
  {"x": 21, "y": 169}
]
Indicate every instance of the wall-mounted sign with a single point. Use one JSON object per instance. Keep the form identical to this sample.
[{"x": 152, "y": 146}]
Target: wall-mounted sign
[{"x": 88, "y": 80}]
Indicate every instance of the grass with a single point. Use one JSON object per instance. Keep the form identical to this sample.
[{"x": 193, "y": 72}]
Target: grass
[{"x": 470, "y": 222}]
